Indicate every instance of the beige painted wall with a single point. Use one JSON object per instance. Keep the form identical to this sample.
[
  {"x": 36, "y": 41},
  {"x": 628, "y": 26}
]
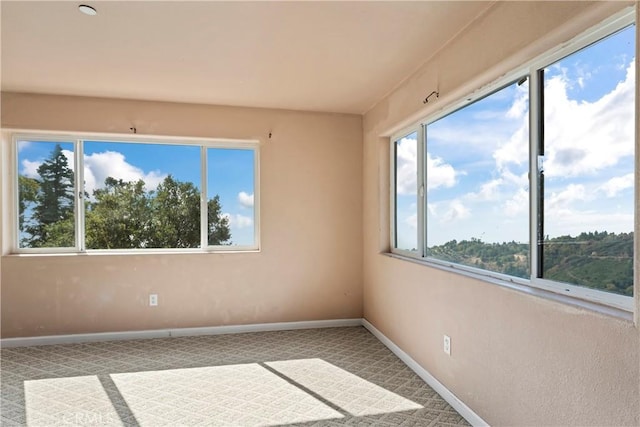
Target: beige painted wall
[
  {"x": 310, "y": 264},
  {"x": 516, "y": 359}
]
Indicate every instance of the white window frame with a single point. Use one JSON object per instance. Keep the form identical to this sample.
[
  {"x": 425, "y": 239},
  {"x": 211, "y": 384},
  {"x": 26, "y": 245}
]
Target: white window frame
[
  {"x": 420, "y": 190},
  {"x": 39, "y": 137},
  {"x": 608, "y": 27},
  {"x": 79, "y": 212},
  {"x": 529, "y": 70}
]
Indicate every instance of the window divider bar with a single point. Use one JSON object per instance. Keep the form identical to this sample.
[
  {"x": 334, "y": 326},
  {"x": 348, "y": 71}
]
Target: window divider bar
[
  {"x": 204, "y": 213},
  {"x": 394, "y": 194},
  {"x": 80, "y": 199},
  {"x": 256, "y": 197},
  {"x": 539, "y": 165},
  {"x": 535, "y": 128},
  {"x": 422, "y": 189},
  {"x": 15, "y": 187},
  {"x": 540, "y": 110}
]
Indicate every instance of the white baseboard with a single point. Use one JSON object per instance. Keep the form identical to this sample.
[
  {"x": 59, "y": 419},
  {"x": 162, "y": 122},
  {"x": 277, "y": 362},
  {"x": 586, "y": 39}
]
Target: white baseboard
[
  {"x": 265, "y": 327},
  {"x": 180, "y": 332},
  {"x": 457, "y": 404}
]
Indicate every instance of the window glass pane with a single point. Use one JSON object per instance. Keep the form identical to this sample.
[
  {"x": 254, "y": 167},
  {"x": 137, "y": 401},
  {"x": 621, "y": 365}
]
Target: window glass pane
[
  {"x": 141, "y": 195},
  {"x": 589, "y": 166},
  {"x": 46, "y": 194},
  {"x": 406, "y": 192},
  {"x": 477, "y": 184},
  {"x": 230, "y": 194}
]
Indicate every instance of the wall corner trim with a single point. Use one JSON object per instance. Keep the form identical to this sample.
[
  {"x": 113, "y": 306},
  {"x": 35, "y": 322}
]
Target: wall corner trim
[{"x": 457, "y": 404}]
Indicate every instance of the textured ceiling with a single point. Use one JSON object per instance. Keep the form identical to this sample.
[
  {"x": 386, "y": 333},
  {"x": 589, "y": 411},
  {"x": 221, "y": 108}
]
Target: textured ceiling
[{"x": 317, "y": 56}]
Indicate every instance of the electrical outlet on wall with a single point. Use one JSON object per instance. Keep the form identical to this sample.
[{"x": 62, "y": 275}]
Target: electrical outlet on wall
[
  {"x": 447, "y": 345},
  {"x": 153, "y": 300}
]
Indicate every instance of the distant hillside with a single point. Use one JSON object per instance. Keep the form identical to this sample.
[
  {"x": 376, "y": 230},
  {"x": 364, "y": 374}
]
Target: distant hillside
[{"x": 598, "y": 260}]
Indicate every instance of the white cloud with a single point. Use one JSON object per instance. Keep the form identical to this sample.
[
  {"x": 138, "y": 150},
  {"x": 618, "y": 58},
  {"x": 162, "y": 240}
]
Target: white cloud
[
  {"x": 520, "y": 107},
  {"x": 238, "y": 220},
  {"x": 586, "y": 140},
  {"x": 23, "y": 144},
  {"x": 488, "y": 191},
  {"x": 499, "y": 190},
  {"x": 521, "y": 180},
  {"x": 615, "y": 185},
  {"x": 518, "y": 204},
  {"x": 407, "y": 165},
  {"x": 70, "y": 159},
  {"x": 412, "y": 221},
  {"x": 622, "y": 62},
  {"x": 516, "y": 149},
  {"x": 584, "y": 137},
  {"x": 431, "y": 207},
  {"x": 30, "y": 169},
  {"x": 99, "y": 166},
  {"x": 581, "y": 137},
  {"x": 583, "y": 74},
  {"x": 439, "y": 173},
  {"x": 456, "y": 211},
  {"x": 563, "y": 199},
  {"x": 245, "y": 199}
]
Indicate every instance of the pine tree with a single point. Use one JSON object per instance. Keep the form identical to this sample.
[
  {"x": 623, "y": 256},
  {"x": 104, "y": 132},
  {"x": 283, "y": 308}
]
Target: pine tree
[{"x": 54, "y": 203}]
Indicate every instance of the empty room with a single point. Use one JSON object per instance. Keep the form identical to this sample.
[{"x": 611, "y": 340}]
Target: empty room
[{"x": 319, "y": 213}]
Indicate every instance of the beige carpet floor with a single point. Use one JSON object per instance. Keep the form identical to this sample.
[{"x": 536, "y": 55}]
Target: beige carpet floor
[{"x": 314, "y": 377}]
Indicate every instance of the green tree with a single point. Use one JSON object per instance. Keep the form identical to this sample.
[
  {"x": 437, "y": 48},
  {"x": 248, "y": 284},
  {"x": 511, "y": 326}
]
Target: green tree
[
  {"x": 123, "y": 215},
  {"x": 176, "y": 217},
  {"x": 119, "y": 217},
  {"x": 598, "y": 260},
  {"x": 60, "y": 233},
  {"x": 54, "y": 203},
  {"x": 28, "y": 193},
  {"x": 175, "y": 211},
  {"x": 218, "y": 226}
]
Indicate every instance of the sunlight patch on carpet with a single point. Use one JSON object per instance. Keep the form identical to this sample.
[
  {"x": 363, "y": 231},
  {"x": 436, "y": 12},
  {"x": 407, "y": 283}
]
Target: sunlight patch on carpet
[
  {"x": 351, "y": 393},
  {"x": 79, "y": 401},
  {"x": 246, "y": 394}
]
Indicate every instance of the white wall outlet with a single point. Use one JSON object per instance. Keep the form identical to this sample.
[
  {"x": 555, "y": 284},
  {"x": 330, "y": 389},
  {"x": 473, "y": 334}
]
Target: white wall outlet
[
  {"x": 447, "y": 345},
  {"x": 153, "y": 300}
]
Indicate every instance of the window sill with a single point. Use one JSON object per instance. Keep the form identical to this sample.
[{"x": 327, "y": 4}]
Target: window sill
[
  {"x": 529, "y": 290},
  {"x": 133, "y": 252}
]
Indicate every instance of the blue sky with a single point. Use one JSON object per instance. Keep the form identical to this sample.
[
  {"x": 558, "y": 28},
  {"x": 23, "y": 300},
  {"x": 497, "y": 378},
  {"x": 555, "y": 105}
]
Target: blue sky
[
  {"x": 230, "y": 172},
  {"x": 478, "y": 156}
]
